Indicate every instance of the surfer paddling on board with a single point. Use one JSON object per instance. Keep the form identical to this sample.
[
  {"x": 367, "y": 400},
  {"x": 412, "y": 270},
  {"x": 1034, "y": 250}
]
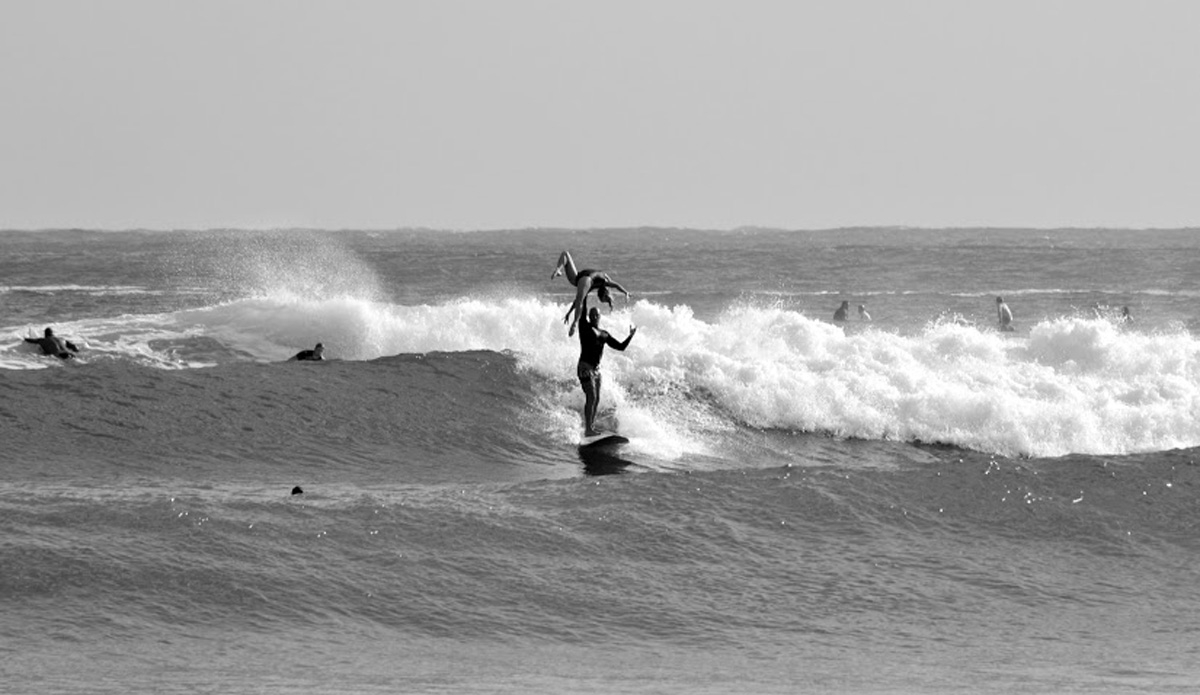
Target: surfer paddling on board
[
  {"x": 1004, "y": 314},
  {"x": 592, "y": 340},
  {"x": 54, "y": 346},
  {"x": 585, "y": 281},
  {"x": 317, "y": 353}
]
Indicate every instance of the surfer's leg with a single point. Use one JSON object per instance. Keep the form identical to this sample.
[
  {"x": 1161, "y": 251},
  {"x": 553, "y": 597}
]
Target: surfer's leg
[
  {"x": 593, "y": 402},
  {"x": 589, "y": 380},
  {"x": 565, "y": 263}
]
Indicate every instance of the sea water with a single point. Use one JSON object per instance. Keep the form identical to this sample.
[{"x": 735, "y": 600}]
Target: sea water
[{"x": 916, "y": 503}]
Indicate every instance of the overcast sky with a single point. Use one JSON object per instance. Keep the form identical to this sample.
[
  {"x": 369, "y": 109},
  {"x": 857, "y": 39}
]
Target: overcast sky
[{"x": 497, "y": 114}]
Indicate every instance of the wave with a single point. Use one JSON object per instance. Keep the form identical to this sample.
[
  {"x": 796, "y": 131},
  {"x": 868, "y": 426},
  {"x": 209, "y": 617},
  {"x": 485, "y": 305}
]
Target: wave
[{"x": 1072, "y": 385}]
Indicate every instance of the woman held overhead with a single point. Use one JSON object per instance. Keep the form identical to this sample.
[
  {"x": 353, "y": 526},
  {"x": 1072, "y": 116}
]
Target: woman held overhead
[{"x": 585, "y": 281}]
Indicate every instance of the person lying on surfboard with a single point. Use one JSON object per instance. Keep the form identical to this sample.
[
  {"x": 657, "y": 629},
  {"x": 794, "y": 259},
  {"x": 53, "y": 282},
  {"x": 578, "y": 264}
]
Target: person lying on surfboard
[
  {"x": 317, "y": 353},
  {"x": 592, "y": 340},
  {"x": 585, "y": 281},
  {"x": 54, "y": 346}
]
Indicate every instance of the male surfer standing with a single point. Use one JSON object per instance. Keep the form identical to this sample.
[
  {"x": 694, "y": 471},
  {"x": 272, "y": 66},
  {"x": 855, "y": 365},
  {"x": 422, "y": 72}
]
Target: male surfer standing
[
  {"x": 54, "y": 346},
  {"x": 592, "y": 340}
]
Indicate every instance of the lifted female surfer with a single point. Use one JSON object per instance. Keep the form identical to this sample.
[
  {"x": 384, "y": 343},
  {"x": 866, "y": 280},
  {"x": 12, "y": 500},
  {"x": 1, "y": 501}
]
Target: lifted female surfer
[{"x": 585, "y": 281}]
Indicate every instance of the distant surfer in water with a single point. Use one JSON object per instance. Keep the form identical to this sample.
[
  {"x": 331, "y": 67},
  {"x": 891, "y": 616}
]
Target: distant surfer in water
[
  {"x": 1004, "y": 314},
  {"x": 862, "y": 312},
  {"x": 317, "y": 353},
  {"x": 592, "y": 340},
  {"x": 585, "y": 281},
  {"x": 54, "y": 346},
  {"x": 842, "y": 311}
]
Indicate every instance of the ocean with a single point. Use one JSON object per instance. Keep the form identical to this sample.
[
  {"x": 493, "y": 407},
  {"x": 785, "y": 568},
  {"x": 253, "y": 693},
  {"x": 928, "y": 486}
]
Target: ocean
[{"x": 918, "y": 503}]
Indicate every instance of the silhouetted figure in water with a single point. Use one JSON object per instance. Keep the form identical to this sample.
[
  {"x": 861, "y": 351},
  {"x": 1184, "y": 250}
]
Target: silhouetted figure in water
[
  {"x": 842, "y": 311},
  {"x": 317, "y": 353},
  {"x": 54, "y": 346},
  {"x": 1004, "y": 314}
]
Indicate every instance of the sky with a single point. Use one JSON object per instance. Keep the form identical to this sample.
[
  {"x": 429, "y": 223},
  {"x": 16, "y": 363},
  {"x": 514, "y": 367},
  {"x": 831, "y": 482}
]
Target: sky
[{"x": 501, "y": 114}]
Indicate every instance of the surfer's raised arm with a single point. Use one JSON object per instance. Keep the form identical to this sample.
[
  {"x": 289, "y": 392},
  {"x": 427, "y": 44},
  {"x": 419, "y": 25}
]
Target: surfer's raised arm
[{"x": 620, "y": 345}]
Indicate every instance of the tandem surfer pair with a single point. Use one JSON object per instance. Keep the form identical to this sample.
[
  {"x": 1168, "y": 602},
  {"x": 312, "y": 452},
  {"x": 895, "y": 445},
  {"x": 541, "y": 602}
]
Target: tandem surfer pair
[{"x": 592, "y": 338}]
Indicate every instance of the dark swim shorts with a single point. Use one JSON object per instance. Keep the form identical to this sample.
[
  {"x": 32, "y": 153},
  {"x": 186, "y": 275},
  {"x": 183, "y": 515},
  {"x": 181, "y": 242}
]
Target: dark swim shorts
[{"x": 589, "y": 377}]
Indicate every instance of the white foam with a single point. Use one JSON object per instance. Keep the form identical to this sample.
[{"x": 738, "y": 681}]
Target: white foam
[{"x": 1076, "y": 385}]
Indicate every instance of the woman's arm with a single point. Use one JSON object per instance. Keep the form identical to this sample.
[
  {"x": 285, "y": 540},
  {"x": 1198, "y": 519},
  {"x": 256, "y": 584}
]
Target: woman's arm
[{"x": 617, "y": 286}]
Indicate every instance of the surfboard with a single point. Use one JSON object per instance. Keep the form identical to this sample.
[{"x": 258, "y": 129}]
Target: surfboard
[{"x": 604, "y": 439}]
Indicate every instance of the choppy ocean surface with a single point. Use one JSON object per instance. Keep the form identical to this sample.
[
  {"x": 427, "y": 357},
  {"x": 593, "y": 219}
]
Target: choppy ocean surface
[{"x": 916, "y": 503}]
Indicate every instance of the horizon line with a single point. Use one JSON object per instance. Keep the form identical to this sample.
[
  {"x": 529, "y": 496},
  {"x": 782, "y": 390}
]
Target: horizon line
[{"x": 610, "y": 228}]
